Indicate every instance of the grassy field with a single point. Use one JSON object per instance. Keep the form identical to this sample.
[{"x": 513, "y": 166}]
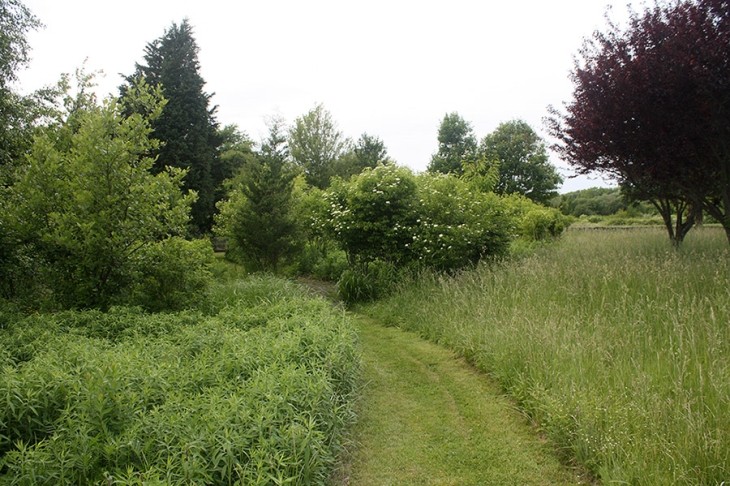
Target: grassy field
[
  {"x": 254, "y": 388},
  {"x": 614, "y": 343}
]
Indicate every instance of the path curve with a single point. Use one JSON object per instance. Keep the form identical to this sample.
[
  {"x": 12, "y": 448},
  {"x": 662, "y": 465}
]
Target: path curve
[{"x": 427, "y": 418}]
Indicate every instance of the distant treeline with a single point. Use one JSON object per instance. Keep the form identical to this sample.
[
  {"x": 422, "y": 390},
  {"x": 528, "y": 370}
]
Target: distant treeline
[{"x": 600, "y": 201}]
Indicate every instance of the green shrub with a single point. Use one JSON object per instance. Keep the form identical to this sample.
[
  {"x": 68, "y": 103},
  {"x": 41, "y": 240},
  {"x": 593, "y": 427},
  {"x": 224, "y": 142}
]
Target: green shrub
[
  {"x": 436, "y": 220},
  {"x": 372, "y": 215},
  {"x": 364, "y": 283},
  {"x": 534, "y": 222},
  {"x": 457, "y": 224},
  {"x": 172, "y": 274},
  {"x": 322, "y": 261},
  {"x": 85, "y": 202}
]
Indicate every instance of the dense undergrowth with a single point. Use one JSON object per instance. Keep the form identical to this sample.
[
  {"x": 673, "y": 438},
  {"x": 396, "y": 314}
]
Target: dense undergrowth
[
  {"x": 613, "y": 342},
  {"x": 255, "y": 387}
]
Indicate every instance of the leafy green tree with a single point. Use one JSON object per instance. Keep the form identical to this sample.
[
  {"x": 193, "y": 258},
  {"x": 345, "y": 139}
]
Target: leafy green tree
[
  {"x": 524, "y": 166},
  {"x": 85, "y": 204},
  {"x": 187, "y": 127},
  {"x": 257, "y": 218},
  {"x": 368, "y": 151},
  {"x": 15, "y": 22},
  {"x": 457, "y": 144},
  {"x": 316, "y": 144},
  {"x": 236, "y": 150}
]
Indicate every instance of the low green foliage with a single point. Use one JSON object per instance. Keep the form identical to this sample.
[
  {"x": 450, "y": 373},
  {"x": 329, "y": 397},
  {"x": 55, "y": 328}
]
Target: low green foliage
[
  {"x": 363, "y": 283},
  {"x": 171, "y": 274},
  {"x": 255, "y": 391},
  {"x": 612, "y": 341},
  {"x": 534, "y": 222}
]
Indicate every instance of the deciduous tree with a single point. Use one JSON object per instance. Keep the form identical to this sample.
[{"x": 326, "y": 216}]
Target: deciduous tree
[
  {"x": 368, "y": 151},
  {"x": 16, "y": 20},
  {"x": 316, "y": 144},
  {"x": 651, "y": 106},
  {"x": 85, "y": 205},
  {"x": 523, "y": 162},
  {"x": 236, "y": 150},
  {"x": 457, "y": 144}
]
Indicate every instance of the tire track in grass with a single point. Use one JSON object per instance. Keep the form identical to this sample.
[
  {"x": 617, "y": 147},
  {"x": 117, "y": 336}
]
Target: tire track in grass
[{"x": 427, "y": 418}]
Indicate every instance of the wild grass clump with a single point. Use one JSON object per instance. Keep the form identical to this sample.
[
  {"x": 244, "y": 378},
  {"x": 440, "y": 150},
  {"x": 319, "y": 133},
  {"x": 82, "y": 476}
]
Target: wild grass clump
[
  {"x": 615, "y": 343},
  {"x": 256, "y": 391}
]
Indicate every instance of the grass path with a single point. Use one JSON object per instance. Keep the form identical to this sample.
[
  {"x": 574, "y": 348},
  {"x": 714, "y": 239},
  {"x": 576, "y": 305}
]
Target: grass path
[{"x": 428, "y": 418}]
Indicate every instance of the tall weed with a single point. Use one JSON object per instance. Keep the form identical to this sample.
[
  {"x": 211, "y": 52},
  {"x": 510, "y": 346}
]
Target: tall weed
[{"x": 255, "y": 390}]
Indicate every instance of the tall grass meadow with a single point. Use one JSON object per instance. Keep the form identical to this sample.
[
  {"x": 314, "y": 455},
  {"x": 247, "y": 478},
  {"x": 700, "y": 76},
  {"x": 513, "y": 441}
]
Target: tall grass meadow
[{"x": 614, "y": 343}]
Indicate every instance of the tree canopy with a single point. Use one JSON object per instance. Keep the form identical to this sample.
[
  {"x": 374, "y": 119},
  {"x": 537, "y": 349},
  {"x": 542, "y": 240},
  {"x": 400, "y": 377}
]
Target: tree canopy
[
  {"x": 457, "y": 143},
  {"x": 316, "y": 144},
  {"x": 523, "y": 163},
  {"x": 15, "y": 22},
  {"x": 85, "y": 207},
  {"x": 367, "y": 152},
  {"x": 651, "y": 106}
]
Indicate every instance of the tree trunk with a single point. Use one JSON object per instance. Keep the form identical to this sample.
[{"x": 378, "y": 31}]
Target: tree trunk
[{"x": 677, "y": 227}]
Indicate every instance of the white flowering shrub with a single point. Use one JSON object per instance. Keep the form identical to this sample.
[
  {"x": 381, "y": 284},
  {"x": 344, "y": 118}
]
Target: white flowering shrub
[
  {"x": 439, "y": 221},
  {"x": 457, "y": 225},
  {"x": 372, "y": 216}
]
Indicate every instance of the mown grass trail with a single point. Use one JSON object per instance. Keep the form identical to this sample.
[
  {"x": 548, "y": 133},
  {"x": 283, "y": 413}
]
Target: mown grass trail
[{"x": 428, "y": 418}]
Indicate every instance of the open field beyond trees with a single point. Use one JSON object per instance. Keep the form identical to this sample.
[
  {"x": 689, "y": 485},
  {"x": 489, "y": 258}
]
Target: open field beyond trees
[{"x": 613, "y": 342}]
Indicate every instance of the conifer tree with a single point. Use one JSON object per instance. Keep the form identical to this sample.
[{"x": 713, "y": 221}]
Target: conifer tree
[
  {"x": 187, "y": 127},
  {"x": 257, "y": 218}
]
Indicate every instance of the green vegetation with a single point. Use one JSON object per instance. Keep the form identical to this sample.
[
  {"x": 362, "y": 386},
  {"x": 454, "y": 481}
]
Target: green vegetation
[
  {"x": 257, "y": 217},
  {"x": 613, "y": 342},
  {"x": 389, "y": 217},
  {"x": 428, "y": 418},
  {"x": 653, "y": 133},
  {"x": 84, "y": 216},
  {"x": 594, "y": 201},
  {"x": 256, "y": 389},
  {"x": 187, "y": 126},
  {"x": 457, "y": 144},
  {"x": 522, "y": 161}
]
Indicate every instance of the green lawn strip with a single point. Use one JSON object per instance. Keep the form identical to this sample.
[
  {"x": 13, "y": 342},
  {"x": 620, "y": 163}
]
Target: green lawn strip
[{"x": 427, "y": 417}]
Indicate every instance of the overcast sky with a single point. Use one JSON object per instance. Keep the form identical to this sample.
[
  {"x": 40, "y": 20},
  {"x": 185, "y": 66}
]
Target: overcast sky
[{"x": 391, "y": 68}]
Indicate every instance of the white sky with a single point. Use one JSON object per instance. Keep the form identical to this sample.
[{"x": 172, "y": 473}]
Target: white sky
[{"x": 391, "y": 68}]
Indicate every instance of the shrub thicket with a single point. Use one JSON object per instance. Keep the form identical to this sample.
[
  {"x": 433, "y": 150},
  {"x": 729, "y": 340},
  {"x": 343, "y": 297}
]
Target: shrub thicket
[
  {"x": 395, "y": 220},
  {"x": 84, "y": 213}
]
